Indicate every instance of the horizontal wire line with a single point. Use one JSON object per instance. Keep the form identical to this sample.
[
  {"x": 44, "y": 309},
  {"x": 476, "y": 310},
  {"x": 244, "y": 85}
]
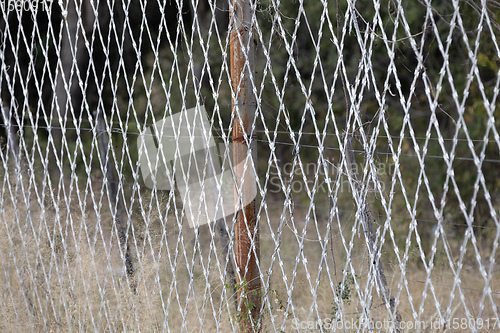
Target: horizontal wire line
[
  {"x": 392, "y": 216},
  {"x": 333, "y": 134},
  {"x": 391, "y": 277},
  {"x": 380, "y": 136},
  {"x": 341, "y": 210},
  {"x": 114, "y": 130}
]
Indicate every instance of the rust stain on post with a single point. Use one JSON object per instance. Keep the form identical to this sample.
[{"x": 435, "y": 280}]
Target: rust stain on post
[{"x": 246, "y": 229}]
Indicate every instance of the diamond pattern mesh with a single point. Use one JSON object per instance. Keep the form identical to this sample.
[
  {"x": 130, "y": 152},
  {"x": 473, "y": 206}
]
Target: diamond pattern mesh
[{"x": 375, "y": 154}]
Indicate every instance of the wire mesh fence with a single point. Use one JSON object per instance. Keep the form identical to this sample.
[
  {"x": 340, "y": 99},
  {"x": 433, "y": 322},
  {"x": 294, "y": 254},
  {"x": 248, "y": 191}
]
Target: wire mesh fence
[{"x": 238, "y": 165}]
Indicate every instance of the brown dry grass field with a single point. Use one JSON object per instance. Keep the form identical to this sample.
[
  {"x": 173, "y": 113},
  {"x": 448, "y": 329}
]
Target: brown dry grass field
[{"x": 62, "y": 271}]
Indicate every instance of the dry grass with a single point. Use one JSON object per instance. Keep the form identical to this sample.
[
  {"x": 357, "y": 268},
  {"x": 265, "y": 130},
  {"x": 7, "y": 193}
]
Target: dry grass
[{"x": 62, "y": 271}]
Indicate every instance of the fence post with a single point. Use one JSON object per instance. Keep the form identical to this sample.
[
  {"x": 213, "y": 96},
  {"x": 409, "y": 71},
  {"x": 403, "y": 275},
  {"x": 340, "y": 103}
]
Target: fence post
[
  {"x": 243, "y": 100},
  {"x": 120, "y": 220},
  {"x": 366, "y": 221},
  {"x": 12, "y": 142}
]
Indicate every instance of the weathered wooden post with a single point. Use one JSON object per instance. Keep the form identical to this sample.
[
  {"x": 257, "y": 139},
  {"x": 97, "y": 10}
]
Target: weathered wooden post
[
  {"x": 244, "y": 149},
  {"x": 120, "y": 220},
  {"x": 12, "y": 142},
  {"x": 366, "y": 221}
]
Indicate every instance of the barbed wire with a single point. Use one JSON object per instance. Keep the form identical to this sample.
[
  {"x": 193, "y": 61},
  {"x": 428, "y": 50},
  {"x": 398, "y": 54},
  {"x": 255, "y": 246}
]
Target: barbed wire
[{"x": 321, "y": 73}]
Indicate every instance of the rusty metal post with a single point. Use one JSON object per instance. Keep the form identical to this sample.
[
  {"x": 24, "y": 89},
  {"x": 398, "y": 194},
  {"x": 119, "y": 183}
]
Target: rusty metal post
[{"x": 246, "y": 228}]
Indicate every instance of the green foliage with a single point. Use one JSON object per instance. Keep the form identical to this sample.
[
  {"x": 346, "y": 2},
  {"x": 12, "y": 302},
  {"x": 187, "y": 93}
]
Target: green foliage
[
  {"x": 277, "y": 300},
  {"x": 242, "y": 317},
  {"x": 301, "y": 89},
  {"x": 344, "y": 292}
]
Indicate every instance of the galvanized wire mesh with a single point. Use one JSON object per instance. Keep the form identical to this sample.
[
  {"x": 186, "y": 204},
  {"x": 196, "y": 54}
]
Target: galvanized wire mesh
[{"x": 372, "y": 159}]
